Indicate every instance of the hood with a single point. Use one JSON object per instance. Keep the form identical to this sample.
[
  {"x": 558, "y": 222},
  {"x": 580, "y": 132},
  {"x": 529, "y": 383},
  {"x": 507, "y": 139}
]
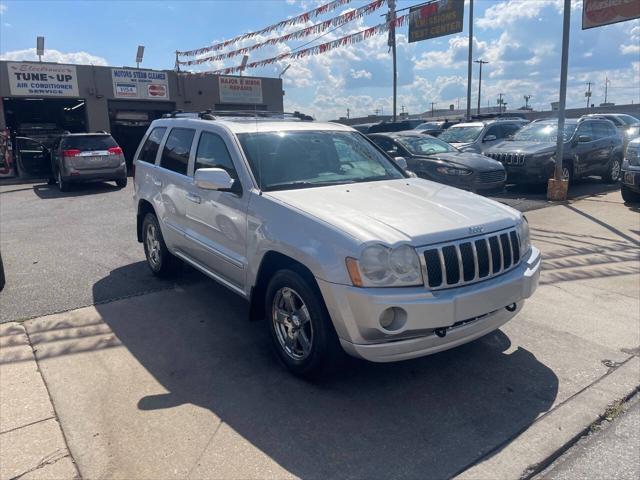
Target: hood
[
  {"x": 411, "y": 210},
  {"x": 475, "y": 161},
  {"x": 510, "y": 146}
]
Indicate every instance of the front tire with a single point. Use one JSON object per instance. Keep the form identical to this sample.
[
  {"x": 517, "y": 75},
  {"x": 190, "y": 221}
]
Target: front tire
[
  {"x": 300, "y": 327},
  {"x": 121, "y": 182},
  {"x": 612, "y": 175},
  {"x": 161, "y": 262},
  {"x": 630, "y": 196}
]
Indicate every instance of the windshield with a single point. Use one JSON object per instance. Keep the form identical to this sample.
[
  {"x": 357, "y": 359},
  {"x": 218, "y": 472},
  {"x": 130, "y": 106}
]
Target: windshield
[
  {"x": 304, "y": 159},
  {"x": 629, "y": 119},
  {"x": 544, "y": 132},
  {"x": 425, "y": 145},
  {"x": 428, "y": 126},
  {"x": 461, "y": 134}
]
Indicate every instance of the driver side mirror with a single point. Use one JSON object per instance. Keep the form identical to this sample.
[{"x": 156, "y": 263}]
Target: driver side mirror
[
  {"x": 213, "y": 179},
  {"x": 490, "y": 138},
  {"x": 401, "y": 162}
]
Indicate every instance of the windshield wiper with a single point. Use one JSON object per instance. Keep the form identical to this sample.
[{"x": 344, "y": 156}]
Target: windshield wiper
[{"x": 306, "y": 184}]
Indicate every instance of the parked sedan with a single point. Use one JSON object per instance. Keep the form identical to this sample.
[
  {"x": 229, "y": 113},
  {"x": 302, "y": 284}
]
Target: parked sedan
[{"x": 433, "y": 159}]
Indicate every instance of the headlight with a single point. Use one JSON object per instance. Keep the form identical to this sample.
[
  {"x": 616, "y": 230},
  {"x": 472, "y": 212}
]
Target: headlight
[
  {"x": 453, "y": 171},
  {"x": 525, "y": 240},
  {"x": 380, "y": 266},
  {"x": 632, "y": 155}
]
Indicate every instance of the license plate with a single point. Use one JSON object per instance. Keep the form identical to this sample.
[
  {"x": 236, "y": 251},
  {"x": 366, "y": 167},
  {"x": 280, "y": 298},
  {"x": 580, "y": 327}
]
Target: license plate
[{"x": 629, "y": 178}]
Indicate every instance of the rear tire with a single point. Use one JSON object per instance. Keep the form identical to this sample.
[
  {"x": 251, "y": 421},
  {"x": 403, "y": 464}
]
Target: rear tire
[
  {"x": 630, "y": 196},
  {"x": 161, "y": 262},
  {"x": 121, "y": 182},
  {"x": 612, "y": 175},
  {"x": 300, "y": 327}
]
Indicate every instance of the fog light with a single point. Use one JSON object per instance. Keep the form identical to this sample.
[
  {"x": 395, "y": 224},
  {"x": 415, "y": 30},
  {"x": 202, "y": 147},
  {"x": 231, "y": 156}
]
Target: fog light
[
  {"x": 387, "y": 317},
  {"x": 393, "y": 318}
]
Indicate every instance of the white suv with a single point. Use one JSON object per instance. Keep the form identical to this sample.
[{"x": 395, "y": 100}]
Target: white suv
[{"x": 330, "y": 240}]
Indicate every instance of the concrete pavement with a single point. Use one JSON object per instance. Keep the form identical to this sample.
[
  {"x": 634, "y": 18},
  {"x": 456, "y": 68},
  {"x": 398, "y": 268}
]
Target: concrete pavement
[{"x": 177, "y": 384}]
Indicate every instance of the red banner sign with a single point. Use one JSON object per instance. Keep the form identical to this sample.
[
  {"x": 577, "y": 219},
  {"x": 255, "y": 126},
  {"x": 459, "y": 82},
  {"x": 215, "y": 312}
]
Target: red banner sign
[{"x": 596, "y": 13}]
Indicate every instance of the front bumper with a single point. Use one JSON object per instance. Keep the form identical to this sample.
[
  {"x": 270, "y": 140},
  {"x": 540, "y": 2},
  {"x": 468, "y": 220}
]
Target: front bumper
[{"x": 466, "y": 313}]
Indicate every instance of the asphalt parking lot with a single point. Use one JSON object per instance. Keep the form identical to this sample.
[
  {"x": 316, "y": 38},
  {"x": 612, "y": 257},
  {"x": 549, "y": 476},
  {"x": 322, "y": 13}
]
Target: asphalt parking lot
[
  {"x": 56, "y": 246},
  {"x": 167, "y": 379}
]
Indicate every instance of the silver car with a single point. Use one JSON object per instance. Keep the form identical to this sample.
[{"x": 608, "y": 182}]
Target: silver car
[
  {"x": 479, "y": 136},
  {"x": 334, "y": 245},
  {"x": 87, "y": 157}
]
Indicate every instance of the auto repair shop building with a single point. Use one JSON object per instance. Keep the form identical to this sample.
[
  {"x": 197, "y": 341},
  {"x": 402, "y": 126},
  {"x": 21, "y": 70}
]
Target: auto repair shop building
[{"x": 42, "y": 100}]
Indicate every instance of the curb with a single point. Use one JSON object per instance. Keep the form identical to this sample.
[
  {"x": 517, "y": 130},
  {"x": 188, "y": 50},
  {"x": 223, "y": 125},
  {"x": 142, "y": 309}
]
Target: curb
[{"x": 554, "y": 432}]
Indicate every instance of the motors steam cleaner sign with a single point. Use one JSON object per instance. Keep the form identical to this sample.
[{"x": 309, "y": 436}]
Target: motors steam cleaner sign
[
  {"x": 43, "y": 80},
  {"x": 140, "y": 84}
]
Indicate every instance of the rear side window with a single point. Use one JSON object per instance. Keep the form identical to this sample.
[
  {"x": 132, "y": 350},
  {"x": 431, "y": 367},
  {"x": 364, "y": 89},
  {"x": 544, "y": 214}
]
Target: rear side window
[
  {"x": 494, "y": 130},
  {"x": 213, "y": 153},
  {"x": 89, "y": 142},
  {"x": 586, "y": 129},
  {"x": 601, "y": 130},
  {"x": 151, "y": 145},
  {"x": 175, "y": 154}
]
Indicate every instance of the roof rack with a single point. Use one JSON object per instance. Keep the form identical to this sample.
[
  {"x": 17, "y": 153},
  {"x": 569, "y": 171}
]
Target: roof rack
[{"x": 215, "y": 114}]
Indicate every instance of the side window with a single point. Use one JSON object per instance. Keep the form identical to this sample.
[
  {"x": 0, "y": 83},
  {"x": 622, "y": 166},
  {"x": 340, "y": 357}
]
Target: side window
[
  {"x": 494, "y": 130},
  {"x": 151, "y": 145},
  {"x": 175, "y": 154},
  {"x": 385, "y": 144},
  {"x": 510, "y": 129},
  {"x": 601, "y": 130},
  {"x": 586, "y": 129},
  {"x": 213, "y": 153}
]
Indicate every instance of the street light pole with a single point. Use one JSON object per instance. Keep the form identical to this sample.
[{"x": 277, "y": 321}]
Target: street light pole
[
  {"x": 392, "y": 42},
  {"x": 480, "y": 62},
  {"x": 557, "y": 189},
  {"x": 469, "y": 61}
]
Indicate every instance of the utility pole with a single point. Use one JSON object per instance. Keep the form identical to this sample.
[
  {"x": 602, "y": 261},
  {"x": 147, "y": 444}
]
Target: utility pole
[
  {"x": 469, "y": 60},
  {"x": 432, "y": 105},
  {"x": 480, "y": 62},
  {"x": 348, "y": 111},
  {"x": 402, "y": 108},
  {"x": 606, "y": 88},
  {"x": 557, "y": 188},
  {"x": 526, "y": 101},
  {"x": 588, "y": 94},
  {"x": 500, "y": 102},
  {"x": 391, "y": 17}
]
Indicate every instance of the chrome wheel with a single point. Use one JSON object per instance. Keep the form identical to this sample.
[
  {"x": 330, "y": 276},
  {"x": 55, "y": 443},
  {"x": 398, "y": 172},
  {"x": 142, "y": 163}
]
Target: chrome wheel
[
  {"x": 152, "y": 243},
  {"x": 566, "y": 173},
  {"x": 615, "y": 170},
  {"x": 292, "y": 323}
]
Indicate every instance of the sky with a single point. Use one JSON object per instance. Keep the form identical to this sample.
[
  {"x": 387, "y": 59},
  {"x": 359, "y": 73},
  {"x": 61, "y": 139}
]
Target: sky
[{"x": 520, "y": 39}]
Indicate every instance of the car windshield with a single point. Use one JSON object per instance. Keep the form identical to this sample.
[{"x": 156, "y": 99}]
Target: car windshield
[
  {"x": 428, "y": 126},
  {"x": 304, "y": 159},
  {"x": 461, "y": 134},
  {"x": 629, "y": 119},
  {"x": 425, "y": 145},
  {"x": 544, "y": 132}
]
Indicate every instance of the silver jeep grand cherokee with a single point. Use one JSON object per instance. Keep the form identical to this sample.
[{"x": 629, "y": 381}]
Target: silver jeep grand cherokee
[{"x": 329, "y": 239}]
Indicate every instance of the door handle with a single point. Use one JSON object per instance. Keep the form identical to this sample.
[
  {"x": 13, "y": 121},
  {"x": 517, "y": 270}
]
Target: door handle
[
  {"x": 193, "y": 198},
  {"x": 156, "y": 182}
]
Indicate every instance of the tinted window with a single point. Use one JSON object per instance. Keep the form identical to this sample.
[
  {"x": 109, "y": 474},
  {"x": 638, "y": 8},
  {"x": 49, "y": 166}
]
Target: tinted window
[
  {"x": 601, "y": 130},
  {"x": 89, "y": 142},
  {"x": 587, "y": 129},
  {"x": 464, "y": 134},
  {"x": 628, "y": 119},
  {"x": 384, "y": 143},
  {"x": 425, "y": 145},
  {"x": 213, "y": 153},
  {"x": 151, "y": 146},
  {"x": 546, "y": 131},
  {"x": 29, "y": 145},
  {"x": 510, "y": 129},
  {"x": 494, "y": 130},
  {"x": 175, "y": 154}
]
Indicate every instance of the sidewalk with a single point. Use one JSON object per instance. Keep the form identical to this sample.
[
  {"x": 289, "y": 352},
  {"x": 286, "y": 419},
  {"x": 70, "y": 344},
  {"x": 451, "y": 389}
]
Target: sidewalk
[
  {"x": 31, "y": 443},
  {"x": 177, "y": 384}
]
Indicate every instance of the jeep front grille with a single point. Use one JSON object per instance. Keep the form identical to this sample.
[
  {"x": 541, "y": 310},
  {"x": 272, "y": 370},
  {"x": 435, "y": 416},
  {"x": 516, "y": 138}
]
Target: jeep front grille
[
  {"x": 471, "y": 260},
  {"x": 508, "y": 158}
]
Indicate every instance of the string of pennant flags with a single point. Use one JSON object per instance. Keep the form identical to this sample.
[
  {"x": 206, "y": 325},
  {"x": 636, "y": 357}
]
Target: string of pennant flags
[
  {"x": 305, "y": 32},
  {"x": 302, "y": 18},
  {"x": 319, "y": 49}
]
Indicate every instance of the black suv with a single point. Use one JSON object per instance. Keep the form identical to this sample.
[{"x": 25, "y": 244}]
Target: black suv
[{"x": 592, "y": 147}]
